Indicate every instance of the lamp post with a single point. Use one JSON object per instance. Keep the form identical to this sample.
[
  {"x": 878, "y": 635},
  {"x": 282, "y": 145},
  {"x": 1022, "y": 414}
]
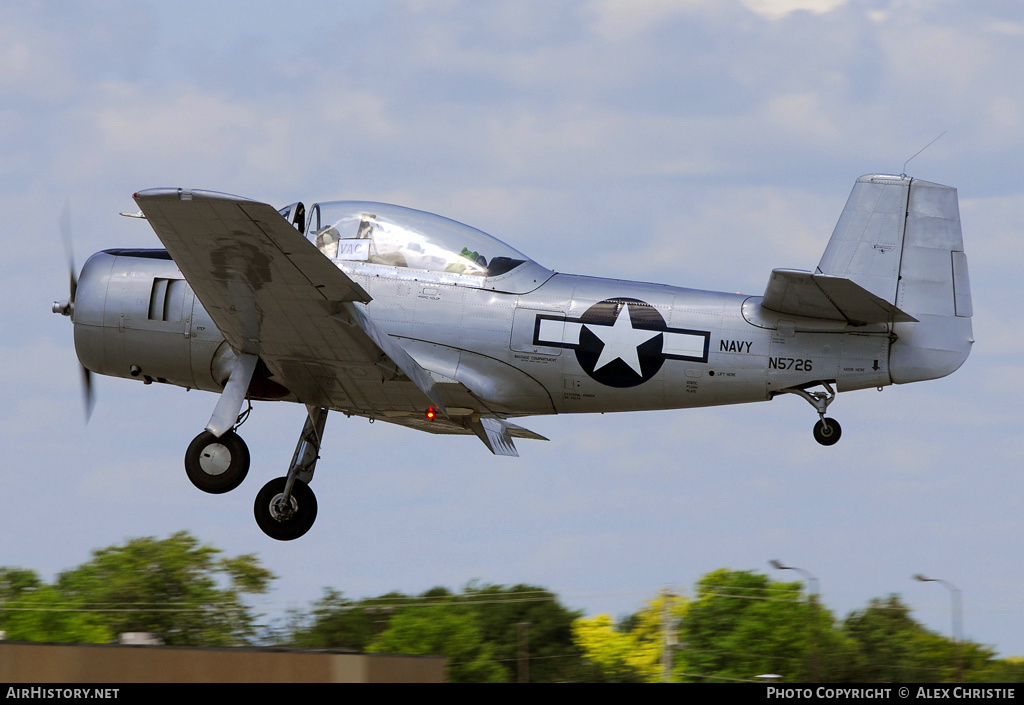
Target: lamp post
[
  {"x": 777, "y": 565},
  {"x": 812, "y": 598},
  {"x": 958, "y": 610}
]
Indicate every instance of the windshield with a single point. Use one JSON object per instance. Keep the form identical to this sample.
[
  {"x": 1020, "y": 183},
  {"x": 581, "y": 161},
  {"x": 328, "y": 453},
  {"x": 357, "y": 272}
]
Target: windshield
[{"x": 402, "y": 237}]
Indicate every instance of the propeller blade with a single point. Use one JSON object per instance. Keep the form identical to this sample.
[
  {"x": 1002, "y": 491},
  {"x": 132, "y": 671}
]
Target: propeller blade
[
  {"x": 87, "y": 394},
  {"x": 65, "y": 233},
  {"x": 88, "y": 398}
]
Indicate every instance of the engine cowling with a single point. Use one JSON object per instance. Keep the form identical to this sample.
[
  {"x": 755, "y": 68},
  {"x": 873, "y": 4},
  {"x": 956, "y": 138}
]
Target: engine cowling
[{"x": 136, "y": 317}]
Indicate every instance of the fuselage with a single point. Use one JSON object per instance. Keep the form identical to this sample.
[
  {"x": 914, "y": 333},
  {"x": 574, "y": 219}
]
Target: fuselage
[
  {"x": 585, "y": 344},
  {"x": 566, "y": 344}
]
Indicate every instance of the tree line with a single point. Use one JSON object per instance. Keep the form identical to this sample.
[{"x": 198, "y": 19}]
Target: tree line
[{"x": 737, "y": 626}]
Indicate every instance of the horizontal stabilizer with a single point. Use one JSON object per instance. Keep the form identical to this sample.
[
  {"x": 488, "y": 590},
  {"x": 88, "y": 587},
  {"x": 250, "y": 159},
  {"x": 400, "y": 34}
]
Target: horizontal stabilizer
[{"x": 833, "y": 298}]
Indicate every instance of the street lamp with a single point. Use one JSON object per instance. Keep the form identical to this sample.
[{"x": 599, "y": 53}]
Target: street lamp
[
  {"x": 812, "y": 597},
  {"x": 957, "y": 607},
  {"x": 777, "y": 565}
]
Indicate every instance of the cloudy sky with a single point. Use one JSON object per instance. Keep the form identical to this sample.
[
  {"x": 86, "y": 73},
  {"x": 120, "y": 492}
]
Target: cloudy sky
[{"x": 690, "y": 142}]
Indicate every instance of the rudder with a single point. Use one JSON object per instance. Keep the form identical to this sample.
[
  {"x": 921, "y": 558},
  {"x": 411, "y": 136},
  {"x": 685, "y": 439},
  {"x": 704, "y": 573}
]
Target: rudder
[{"x": 934, "y": 286}]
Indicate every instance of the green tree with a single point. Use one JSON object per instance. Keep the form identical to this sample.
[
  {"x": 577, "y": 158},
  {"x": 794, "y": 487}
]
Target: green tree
[
  {"x": 14, "y": 582},
  {"x": 497, "y": 610},
  {"x": 742, "y": 624},
  {"x": 170, "y": 587},
  {"x": 546, "y": 626},
  {"x": 1008, "y": 670},
  {"x": 889, "y": 645},
  {"x": 336, "y": 622},
  {"x": 43, "y": 614},
  {"x": 443, "y": 629}
]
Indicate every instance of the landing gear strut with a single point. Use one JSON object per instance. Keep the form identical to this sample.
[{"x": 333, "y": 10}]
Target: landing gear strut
[
  {"x": 217, "y": 460},
  {"x": 826, "y": 431},
  {"x": 285, "y": 508}
]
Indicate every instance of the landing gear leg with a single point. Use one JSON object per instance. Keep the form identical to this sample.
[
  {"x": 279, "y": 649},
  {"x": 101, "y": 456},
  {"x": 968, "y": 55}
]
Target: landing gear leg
[
  {"x": 827, "y": 431},
  {"x": 217, "y": 460},
  {"x": 285, "y": 508}
]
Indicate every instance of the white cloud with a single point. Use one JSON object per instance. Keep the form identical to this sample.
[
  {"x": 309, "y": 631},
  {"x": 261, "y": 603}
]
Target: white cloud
[
  {"x": 1013, "y": 29},
  {"x": 617, "y": 20},
  {"x": 35, "y": 61},
  {"x": 1005, "y": 115},
  {"x": 802, "y": 115},
  {"x": 777, "y": 9},
  {"x": 730, "y": 239},
  {"x": 180, "y": 124}
]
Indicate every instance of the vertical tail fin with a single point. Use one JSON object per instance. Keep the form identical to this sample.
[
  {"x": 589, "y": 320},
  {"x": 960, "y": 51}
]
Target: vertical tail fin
[
  {"x": 900, "y": 239},
  {"x": 868, "y": 240}
]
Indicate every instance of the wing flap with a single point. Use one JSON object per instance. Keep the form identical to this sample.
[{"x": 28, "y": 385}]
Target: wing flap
[
  {"x": 833, "y": 298},
  {"x": 496, "y": 433}
]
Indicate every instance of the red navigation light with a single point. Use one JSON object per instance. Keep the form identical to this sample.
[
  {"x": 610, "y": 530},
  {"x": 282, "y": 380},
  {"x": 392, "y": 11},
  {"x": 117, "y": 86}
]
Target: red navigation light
[{"x": 431, "y": 413}]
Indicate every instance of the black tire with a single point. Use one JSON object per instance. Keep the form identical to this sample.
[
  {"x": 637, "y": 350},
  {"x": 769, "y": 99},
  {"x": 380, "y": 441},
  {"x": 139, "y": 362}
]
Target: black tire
[
  {"x": 827, "y": 431},
  {"x": 285, "y": 528},
  {"x": 217, "y": 465}
]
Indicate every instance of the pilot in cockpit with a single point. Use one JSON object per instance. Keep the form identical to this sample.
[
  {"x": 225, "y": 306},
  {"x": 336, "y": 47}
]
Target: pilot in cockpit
[
  {"x": 327, "y": 241},
  {"x": 366, "y": 223}
]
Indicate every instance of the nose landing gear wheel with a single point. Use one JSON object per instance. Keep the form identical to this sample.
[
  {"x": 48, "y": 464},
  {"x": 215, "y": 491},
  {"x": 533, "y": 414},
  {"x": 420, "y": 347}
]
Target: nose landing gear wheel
[
  {"x": 217, "y": 465},
  {"x": 827, "y": 431},
  {"x": 282, "y": 520}
]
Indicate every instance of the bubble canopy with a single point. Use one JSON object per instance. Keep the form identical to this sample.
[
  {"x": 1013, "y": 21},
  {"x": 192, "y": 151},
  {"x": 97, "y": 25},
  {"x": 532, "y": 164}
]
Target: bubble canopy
[{"x": 378, "y": 233}]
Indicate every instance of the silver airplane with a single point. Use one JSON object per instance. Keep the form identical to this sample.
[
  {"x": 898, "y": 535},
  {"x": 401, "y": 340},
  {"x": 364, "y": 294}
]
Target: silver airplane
[{"x": 398, "y": 315}]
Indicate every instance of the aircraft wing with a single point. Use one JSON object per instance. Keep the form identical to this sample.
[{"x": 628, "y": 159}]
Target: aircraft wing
[
  {"x": 272, "y": 293},
  {"x": 829, "y": 297}
]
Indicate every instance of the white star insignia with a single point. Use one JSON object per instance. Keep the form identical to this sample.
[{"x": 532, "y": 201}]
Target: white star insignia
[{"x": 621, "y": 341}]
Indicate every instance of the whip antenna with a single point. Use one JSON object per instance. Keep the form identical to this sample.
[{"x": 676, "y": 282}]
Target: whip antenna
[{"x": 903, "y": 174}]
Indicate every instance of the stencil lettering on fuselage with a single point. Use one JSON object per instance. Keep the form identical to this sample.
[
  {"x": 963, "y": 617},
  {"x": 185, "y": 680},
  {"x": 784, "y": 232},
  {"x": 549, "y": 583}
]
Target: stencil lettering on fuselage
[{"x": 621, "y": 342}]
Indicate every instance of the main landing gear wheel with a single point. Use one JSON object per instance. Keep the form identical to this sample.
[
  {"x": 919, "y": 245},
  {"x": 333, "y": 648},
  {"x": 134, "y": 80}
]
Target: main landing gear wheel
[
  {"x": 217, "y": 465},
  {"x": 827, "y": 431},
  {"x": 283, "y": 520}
]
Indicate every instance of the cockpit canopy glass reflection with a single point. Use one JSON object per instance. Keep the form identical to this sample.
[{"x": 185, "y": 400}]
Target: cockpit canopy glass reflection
[{"x": 378, "y": 233}]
